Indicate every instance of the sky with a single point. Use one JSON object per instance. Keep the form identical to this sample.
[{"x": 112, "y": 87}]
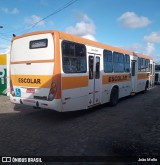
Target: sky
[{"x": 130, "y": 24}]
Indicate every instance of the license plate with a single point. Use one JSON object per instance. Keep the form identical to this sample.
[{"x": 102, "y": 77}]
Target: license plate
[{"x": 30, "y": 90}]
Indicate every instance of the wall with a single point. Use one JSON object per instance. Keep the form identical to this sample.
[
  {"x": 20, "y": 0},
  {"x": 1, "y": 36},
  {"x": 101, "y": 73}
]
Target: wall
[{"x": 3, "y": 74}]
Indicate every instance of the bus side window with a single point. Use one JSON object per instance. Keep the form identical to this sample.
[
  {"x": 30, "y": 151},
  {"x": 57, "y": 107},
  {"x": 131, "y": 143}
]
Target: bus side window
[
  {"x": 118, "y": 61},
  {"x": 73, "y": 57},
  {"x": 143, "y": 69},
  {"x": 127, "y": 63},
  {"x": 139, "y": 64},
  {"x": 157, "y": 67},
  {"x": 107, "y": 61},
  {"x": 147, "y": 65}
]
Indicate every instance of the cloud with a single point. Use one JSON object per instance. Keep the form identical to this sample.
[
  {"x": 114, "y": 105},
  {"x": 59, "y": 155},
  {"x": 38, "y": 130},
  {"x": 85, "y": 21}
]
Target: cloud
[
  {"x": 135, "y": 47},
  {"x": 51, "y": 23},
  {"x": 7, "y": 11},
  {"x": 151, "y": 40},
  {"x": 132, "y": 20},
  {"x": 82, "y": 17},
  {"x": 154, "y": 37},
  {"x": 30, "y": 21},
  {"x": 150, "y": 49},
  {"x": 15, "y": 11},
  {"x": 5, "y": 48},
  {"x": 157, "y": 59},
  {"x": 84, "y": 28},
  {"x": 44, "y": 2},
  {"x": 90, "y": 37},
  {"x": 2, "y": 47}
]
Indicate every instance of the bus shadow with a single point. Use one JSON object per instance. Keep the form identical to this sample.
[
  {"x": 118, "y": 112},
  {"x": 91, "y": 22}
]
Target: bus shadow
[{"x": 51, "y": 115}]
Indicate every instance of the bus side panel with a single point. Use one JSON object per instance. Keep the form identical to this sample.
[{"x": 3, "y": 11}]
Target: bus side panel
[
  {"x": 74, "y": 85},
  {"x": 123, "y": 82},
  {"x": 106, "y": 90},
  {"x": 142, "y": 79},
  {"x": 74, "y": 92}
]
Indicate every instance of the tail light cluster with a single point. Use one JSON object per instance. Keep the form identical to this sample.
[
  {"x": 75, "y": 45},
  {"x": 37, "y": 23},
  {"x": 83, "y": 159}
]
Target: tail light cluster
[
  {"x": 12, "y": 89},
  {"x": 52, "y": 91}
]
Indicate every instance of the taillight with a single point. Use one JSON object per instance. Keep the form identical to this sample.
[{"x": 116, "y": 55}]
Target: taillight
[
  {"x": 12, "y": 89},
  {"x": 52, "y": 91}
]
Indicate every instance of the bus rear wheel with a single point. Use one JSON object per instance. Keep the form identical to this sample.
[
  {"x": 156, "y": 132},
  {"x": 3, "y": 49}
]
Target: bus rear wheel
[{"x": 114, "y": 97}]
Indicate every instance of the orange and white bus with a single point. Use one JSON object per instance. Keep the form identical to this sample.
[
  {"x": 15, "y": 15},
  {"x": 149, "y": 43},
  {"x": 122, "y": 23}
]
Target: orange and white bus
[{"x": 62, "y": 72}]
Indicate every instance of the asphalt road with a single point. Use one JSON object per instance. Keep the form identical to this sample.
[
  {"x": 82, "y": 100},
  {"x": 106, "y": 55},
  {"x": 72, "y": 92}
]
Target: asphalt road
[{"x": 132, "y": 128}]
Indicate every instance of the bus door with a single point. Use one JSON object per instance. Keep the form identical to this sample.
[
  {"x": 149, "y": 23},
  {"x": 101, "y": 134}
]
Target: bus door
[
  {"x": 134, "y": 75},
  {"x": 94, "y": 79}
]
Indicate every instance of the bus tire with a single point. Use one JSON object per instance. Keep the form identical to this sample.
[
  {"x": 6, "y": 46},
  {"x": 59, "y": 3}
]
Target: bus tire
[{"x": 114, "y": 97}]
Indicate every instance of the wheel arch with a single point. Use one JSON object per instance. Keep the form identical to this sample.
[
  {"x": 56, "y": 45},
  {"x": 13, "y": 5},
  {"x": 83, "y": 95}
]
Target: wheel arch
[
  {"x": 114, "y": 95},
  {"x": 115, "y": 86}
]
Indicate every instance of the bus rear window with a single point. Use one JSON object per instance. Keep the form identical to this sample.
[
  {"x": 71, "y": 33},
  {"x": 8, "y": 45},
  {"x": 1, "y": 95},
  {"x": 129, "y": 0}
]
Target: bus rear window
[{"x": 35, "y": 44}]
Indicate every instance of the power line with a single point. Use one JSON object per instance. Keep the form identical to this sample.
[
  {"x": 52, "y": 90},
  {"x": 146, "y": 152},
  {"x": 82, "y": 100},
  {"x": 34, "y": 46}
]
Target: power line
[
  {"x": 53, "y": 13},
  {"x": 4, "y": 37}
]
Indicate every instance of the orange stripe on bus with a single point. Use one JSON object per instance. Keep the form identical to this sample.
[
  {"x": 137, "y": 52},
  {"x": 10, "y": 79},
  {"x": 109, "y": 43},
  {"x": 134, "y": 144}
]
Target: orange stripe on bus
[
  {"x": 143, "y": 76},
  {"x": 92, "y": 43},
  {"x": 32, "y": 61},
  {"x": 40, "y": 81},
  {"x": 70, "y": 37},
  {"x": 107, "y": 79},
  {"x": 57, "y": 66},
  {"x": 33, "y": 33},
  {"x": 74, "y": 82}
]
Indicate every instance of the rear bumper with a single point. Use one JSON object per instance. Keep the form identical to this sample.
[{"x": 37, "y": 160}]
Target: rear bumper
[{"x": 56, "y": 104}]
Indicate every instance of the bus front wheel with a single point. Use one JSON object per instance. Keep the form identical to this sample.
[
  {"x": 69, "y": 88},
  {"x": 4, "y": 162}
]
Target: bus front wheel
[{"x": 114, "y": 96}]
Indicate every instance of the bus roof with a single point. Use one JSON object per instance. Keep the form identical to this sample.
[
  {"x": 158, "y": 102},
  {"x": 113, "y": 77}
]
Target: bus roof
[
  {"x": 78, "y": 39},
  {"x": 143, "y": 56}
]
